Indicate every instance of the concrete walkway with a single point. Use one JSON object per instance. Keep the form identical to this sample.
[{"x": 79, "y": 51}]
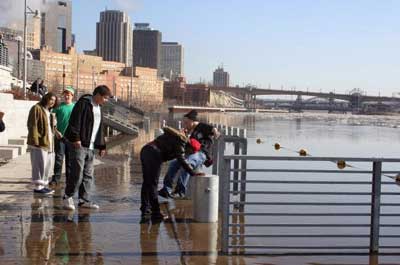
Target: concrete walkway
[{"x": 36, "y": 230}]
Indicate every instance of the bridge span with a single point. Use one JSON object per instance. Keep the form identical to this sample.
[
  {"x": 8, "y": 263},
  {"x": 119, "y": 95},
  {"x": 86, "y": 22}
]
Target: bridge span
[{"x": 356, "y": 97}]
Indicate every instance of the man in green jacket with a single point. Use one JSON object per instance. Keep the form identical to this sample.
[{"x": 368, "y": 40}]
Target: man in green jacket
[{"x": 63, "y": 113}]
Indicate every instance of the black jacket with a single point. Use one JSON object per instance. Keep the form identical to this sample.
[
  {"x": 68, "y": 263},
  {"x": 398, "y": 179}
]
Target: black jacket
[
  {"x": 2, "y": 126},
  {"x": 204, "y": 134},
  {"x": 172, "y": 147},
  {"x": 81, "y": 124}
]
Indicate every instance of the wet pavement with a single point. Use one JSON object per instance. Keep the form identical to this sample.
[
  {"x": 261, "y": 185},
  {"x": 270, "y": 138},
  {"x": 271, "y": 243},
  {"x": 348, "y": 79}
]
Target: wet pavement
[{"x": 36, "y": 230}]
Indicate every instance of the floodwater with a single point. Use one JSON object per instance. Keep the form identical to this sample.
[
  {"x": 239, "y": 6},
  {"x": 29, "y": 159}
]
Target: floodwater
[{"x": 35, "y": 230}]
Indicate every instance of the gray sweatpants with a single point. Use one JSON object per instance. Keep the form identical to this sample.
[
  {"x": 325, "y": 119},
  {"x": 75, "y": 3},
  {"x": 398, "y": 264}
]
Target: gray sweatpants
[{"x": 41, "y": 161}]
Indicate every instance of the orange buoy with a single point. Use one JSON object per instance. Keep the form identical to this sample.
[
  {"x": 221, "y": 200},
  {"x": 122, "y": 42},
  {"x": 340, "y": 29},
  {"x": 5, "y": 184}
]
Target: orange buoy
[
  {"x": 277, "y": 146},
  {"x": 341, "y": 164},
  {"x": 302, "y": 152}
]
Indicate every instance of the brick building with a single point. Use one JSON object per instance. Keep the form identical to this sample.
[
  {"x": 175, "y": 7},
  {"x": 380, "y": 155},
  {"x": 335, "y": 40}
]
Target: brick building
[
  {"x": 139, "y": 86},
  {"x": 178, "y": 92}
]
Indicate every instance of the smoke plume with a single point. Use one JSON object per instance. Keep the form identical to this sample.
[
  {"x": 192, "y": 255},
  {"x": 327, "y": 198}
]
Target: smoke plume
[{"x": 128, "y": 5}]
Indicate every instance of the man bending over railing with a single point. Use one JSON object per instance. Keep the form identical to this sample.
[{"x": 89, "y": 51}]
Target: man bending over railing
[{"x": 205, "y": 134}]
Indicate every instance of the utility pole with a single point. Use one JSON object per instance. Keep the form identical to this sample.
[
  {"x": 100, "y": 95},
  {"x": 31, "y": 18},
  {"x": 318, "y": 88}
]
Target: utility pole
[
  {"x": 63, "y": 75},
  {"x": 25, "y": 38},
  {"x": 131, "y": 88}
]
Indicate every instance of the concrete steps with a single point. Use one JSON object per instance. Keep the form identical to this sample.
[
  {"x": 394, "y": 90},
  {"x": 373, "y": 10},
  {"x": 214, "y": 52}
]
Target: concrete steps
[
  {"x": 120, "y": 125},
  {"x": 15, "y": 148}
]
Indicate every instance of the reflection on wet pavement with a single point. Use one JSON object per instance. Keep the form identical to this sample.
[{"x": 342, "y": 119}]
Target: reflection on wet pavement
[{"x": 36, "y": 230}]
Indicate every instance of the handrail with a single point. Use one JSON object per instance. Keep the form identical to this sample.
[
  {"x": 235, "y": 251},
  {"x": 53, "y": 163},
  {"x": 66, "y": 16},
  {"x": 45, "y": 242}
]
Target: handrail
[
  {"x": 233, "y": 209},
  {"x": 313, "y": 158}
]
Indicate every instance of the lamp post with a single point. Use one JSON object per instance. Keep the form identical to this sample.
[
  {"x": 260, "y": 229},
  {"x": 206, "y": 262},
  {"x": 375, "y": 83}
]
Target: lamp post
[
  {"x": 19, "y": 40},
  {"x": 27, "y": 10}
]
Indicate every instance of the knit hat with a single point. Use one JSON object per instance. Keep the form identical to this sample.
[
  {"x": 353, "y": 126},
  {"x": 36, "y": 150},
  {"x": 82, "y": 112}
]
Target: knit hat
[
  {"x": 195, "y": 145},
  {"x": 191, "y": 115},
  {"x": 69, "y": 89}
]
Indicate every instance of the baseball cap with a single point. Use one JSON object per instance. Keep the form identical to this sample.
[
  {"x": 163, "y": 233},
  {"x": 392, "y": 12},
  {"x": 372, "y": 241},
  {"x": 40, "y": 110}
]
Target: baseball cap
[{"x": 69, "y": 89}]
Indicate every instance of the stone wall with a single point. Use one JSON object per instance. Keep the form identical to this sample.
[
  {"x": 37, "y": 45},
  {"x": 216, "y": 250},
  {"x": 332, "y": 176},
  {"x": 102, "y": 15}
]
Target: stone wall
[{"x": 15, "y": 118}]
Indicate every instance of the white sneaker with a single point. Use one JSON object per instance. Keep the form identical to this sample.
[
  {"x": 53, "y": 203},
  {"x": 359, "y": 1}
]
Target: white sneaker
[
  {"x": 69, "y": 203},
  {"x": 88, "y": 205}
]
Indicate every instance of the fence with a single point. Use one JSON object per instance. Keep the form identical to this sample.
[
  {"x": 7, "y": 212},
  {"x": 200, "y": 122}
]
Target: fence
[{"x": 304, "y": 216}]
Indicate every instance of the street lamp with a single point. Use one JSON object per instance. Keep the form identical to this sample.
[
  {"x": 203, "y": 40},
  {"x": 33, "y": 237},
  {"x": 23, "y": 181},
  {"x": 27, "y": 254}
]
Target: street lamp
[
  {"x": 19, "y": 40},
  {"x": 77, "y": 73},
  {"x": 27, "y": 11}
]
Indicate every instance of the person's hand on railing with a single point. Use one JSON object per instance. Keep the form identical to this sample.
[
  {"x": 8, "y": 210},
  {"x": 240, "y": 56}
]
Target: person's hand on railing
[{"x": 216, "y": 133}]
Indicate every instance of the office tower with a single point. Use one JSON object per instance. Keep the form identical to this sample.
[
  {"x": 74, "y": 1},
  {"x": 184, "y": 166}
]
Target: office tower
[
  {"x": 146, "y": 46},
  {"x": 56, "y": 25},
  {"x": 3, "y": 52},
  {"x": 171, "y": 65},
  {"x": 114, "y": 37},
  {"x": 221, "y": 78}
]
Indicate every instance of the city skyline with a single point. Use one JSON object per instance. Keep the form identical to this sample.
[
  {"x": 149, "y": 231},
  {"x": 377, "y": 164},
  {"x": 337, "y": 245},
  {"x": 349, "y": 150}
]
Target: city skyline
[
  {"x": 316, "y": 45},
  {"x": 319, "y": 45}
]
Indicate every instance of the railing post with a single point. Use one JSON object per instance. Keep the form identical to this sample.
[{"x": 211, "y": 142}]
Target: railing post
[
  {"x": 215, "y": 156},
  {"x": 221, "y": 150},
  {"x": 375, "y": 207},
  {"x": 243, "y": 175},
  {"x": 225, "y": 184},
  {"x": 236, "y": 167}
]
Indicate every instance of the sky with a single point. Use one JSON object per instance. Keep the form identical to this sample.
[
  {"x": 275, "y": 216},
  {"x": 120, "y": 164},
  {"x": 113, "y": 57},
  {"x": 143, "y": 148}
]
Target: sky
[{"x": 320, "y": 45}]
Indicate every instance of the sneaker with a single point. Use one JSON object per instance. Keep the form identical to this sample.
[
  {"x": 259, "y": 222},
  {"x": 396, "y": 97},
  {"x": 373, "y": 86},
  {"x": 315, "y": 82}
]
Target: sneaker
[
  {"x": 178, "y": 194},
  {"x": 146, "y": 212},
  {"x": 43, "y": 191},
  {"x": 88, "y": 205},
  {"x": 164, "y": 193},
  {"x": 49, "y": 191},
  {"x": 68, "y": 203}
]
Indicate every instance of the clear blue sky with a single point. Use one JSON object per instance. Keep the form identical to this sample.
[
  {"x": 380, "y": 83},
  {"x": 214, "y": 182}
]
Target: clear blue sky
[{"x": 321, "y": 44}]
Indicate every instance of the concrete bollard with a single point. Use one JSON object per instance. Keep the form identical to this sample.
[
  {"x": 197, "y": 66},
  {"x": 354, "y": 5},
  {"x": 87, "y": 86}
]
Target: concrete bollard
[
  {"x": 205, "y": 198},
  {"x": 243, "y": 133},
  {"x": 146, "y": 124}
]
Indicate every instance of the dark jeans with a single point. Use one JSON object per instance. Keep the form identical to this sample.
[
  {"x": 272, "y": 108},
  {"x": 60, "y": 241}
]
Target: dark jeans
[
  {"x": 61, "y": 150},
  {"x": 151, "y": 160},
  {"x": 81, "y": 174}
]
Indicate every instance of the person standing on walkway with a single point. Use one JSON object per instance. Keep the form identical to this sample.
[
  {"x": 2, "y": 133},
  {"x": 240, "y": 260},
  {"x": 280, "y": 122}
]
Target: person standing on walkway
[
  {"x": 205, "y": 134},
  {"x": 41, "y": 126},
  {"x": 63, "y": 113},
  {"x": 84, "y": 134},
  {"x": 171, "y": 145},
  {"x": 2, "y": 125}
]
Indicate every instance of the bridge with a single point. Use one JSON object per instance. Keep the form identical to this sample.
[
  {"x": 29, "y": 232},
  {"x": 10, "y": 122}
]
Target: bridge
[{"x": 356, "y": 97}]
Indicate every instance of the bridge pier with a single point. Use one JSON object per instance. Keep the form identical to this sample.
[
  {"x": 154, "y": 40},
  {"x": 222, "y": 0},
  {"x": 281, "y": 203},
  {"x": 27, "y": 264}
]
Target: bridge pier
[
  {"x": 298, "y": 105},
  {"x": 331, "y": 103}
]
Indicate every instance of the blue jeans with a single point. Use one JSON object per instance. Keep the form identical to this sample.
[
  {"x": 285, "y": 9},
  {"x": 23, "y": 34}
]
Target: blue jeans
[
  {"x": 175, "y": 170},
  {"x": 60, "y": 151},
  {"x": 81, "y": 175}
]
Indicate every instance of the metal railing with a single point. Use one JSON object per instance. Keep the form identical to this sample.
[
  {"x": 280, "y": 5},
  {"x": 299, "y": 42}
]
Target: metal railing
[{"x": 282, "y": 216}]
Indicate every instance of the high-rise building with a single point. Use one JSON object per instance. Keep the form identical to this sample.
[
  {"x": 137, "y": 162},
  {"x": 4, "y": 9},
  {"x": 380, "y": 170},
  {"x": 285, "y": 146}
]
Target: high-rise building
[
  {"x": 56, "y": 25},
  {"x": 171, "y": 65},
  {"x": 3, "y": 52},
  {"x": 220, "y": 77},
  {"x": 114, "y": 37},
  {"x": 32, "y": 35},
  {"x": 146, "y": 46}
]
